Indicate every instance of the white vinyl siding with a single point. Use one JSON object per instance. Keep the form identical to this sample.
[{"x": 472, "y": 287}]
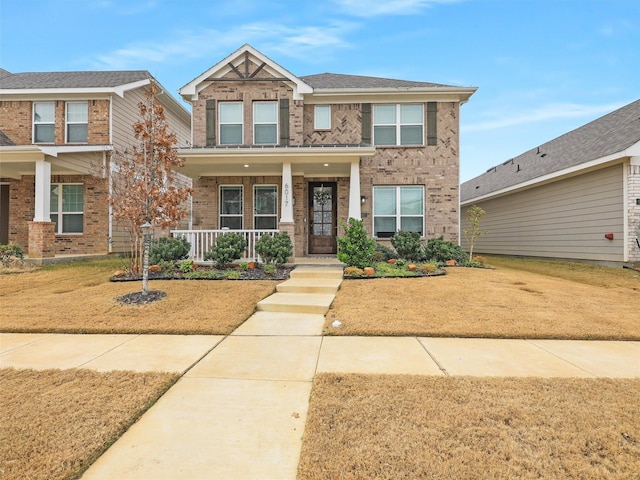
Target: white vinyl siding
[{"x": 564, "y": 219}]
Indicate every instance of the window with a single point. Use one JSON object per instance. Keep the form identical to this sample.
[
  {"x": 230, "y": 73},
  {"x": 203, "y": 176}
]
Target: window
[
  {"x": 231, "y": 207},
  {"x": 77, "y": 121},
  {"x": 265, "y": 123},
  {"x": 398, "y": 208},
  {"x": 398, "y": 124},
  {"x": 231, "y": 123},
  {"x": 67, "y": 205},
  {"x": 44, "y": 115},
  {"x": 322, "y": 117},
  {"x": 265, "y": 207}
]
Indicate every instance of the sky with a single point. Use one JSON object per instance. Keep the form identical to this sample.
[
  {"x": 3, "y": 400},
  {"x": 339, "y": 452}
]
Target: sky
[{"x": 542, "y": 67}]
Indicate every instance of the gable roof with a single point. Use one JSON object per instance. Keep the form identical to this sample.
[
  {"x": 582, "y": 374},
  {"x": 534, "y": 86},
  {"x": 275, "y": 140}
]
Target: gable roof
[
  {"x": 608, "y": 135},
  {"x": 340, "y": 81},
  {"x": 89, "y": 79},
  {"x": 4, "y": 140}
]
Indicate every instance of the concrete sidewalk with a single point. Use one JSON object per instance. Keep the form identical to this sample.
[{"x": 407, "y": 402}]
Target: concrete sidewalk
[{"x": 239, "y": 410}]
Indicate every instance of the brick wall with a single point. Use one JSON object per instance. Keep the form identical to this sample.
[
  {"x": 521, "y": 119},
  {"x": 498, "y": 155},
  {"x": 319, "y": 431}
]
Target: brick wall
[
  {"x": 15, "y": 121},
  {"x": 346, "y": 125}
]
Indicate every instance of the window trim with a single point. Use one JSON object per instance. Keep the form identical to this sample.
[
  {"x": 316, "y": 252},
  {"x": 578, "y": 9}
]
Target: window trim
[
  {"x": 235, "y": 215},
  {"x": 221, "y": 123},
  {"x": 60, "y": 211},
  {"x": 398, "y": 125},
  {"x": 255, "y": 215},
  {"x": 34, "y": 122},
  {"x": 67, "y": 122},
  {"x": 398, "y": 215},
  {"x": 315, "y": 117},
  {"x": 275, "y": 122}
]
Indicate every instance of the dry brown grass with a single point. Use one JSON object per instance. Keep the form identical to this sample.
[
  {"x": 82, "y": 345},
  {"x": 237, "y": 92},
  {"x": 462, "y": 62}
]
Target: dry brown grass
[
  {"x": 390, "y": 427},
  {"x": 519, "y": 299},
  {"x": 55, "y": 423},
  {"x": 78, "y": 297}
]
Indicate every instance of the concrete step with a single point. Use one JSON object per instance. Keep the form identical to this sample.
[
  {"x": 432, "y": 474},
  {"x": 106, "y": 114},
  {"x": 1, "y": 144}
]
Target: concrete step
[
  {"x": 310, "y": 285},
  {"x": 297, "y": 303},
  {"x": 316, "y": 272}
]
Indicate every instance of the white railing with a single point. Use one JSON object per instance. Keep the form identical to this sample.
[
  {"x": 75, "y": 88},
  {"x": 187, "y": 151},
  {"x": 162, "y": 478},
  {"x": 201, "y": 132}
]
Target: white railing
[{"x": 202, "y": 240}]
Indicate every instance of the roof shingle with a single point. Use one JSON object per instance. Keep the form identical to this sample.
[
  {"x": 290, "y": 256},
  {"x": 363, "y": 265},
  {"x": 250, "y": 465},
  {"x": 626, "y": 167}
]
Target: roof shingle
[
  {"x": 89, "y": 79},
  {"x": 340, "y": 81}
]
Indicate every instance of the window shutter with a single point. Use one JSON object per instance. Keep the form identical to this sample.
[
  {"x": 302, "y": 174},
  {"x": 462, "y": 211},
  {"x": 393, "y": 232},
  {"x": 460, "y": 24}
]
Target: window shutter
[
  {"x": 211, "y": 123},
  {"x": 432, "y": 123},
  {"x": 284, "y": 122},
  {"x": 366, "y": 123}
]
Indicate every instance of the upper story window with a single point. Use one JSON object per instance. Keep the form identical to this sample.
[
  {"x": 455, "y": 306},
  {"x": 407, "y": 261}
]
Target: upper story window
[
  {"x": 265, "y": 123},
  {"x": 44, "y": 115},
  {"x": 67, "y": 207},
  {"x": 77, "y": 122},
  {"x": 322, "y": 117},
  {"x": 401, "y": 124},
  {"x": 230, "y": 122}
]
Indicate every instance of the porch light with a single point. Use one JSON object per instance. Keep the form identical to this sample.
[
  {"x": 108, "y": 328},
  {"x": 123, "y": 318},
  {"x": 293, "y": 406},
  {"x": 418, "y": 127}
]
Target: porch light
[
  {"x": 363, "y": 200},
  {"x": 246, "y": 165},
  {"x": 326, "y": 164}
]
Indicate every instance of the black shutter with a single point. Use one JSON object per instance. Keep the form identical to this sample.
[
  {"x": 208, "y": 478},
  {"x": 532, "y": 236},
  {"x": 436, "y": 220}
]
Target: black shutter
[
  {"x": 366, "y": 123},
  {"x": 432, "y": 123},
  {"x": 284, "y": 122},
  {"x": 211, "y": 123}
]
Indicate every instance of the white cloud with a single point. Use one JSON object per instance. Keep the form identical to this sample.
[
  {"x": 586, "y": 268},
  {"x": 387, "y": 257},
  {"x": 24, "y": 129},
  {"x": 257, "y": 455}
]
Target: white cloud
[
  {"x": 543, "y": 113},
  {"x": 368, "y": 8}
]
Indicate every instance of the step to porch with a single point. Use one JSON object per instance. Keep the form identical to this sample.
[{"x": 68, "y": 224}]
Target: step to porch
[
  {"x": 297, "y": 303},
  {"x": 316, "y": 272},
  {"x": 309, "y": 285}
]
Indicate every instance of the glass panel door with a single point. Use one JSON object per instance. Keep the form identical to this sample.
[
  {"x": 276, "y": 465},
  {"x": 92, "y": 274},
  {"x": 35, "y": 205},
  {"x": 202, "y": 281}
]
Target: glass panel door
[{"x": 322, "y": 218}]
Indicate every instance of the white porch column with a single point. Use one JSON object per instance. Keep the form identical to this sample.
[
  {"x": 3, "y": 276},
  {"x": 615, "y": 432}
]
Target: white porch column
[
  {"x": 354, "y": 191},
  {"x": 43, "y": 192},
  {"x": 286, "y": 210}
]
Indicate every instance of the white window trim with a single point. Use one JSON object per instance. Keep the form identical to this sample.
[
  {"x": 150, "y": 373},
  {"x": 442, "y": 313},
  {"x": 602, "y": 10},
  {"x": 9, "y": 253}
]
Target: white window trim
[
  {"x": 398, "y": 124},
  {"x": 398, "y": 216},
  {"x": 60, "y": 213},
  {"x": 221, "y": 215},
  {"x": 315, "y": 117},
  {"x": 220, "y": 123},
  {"x": 67, "y": 122},
  {"x": 34, "y": 122},
  {"x": 255, "y": 215},
  {"x": 275, "y": 122}
]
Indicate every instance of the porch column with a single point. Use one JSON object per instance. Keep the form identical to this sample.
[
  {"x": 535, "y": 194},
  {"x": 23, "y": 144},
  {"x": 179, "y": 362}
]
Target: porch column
[
  {"x": 354, "y": 191},
  {"x": 286, "y": 210},
  {"x": 43, "y": 192}
]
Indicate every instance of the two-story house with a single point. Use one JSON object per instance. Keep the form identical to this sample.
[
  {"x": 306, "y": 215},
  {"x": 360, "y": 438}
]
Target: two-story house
[
  {"x": 272, "y": 151},
  {"x": 58, "y": 134}
]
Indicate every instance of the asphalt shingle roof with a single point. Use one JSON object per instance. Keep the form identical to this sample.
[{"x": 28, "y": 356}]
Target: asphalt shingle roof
[
  {"x": 4, "y": 140},
  {"x": 339, "y": 81},
  {"x": 89, "y": 79},
  {"x": 604, "y": 136}
]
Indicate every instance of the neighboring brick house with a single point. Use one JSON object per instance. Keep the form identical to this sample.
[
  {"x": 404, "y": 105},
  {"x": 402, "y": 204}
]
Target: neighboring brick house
[
  {"x": 58, "y": 132},
  {"x": 299, "y": 154},
  {"x": 576, "y": 196}
]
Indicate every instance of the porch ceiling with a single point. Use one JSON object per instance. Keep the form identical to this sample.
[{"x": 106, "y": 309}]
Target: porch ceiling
[
  {"x": 307, "y": 161},
  {"x": 18, "y": 161}
]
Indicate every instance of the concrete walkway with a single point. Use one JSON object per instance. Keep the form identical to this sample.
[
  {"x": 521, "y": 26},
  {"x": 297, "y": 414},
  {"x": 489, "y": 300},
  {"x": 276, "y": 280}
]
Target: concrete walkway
[{"x": 239, "y": 410}]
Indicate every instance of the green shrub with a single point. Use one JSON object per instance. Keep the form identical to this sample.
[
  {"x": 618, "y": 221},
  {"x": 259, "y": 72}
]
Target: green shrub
[
  {"x": 353, "y": 272},
  {"x": 384, "y": 269},
  {"x": 383, "y": 253},
  {"x": 232, "y": 274},
  {"x": 275, "y": 249},
  {"x": 355, "y": 248},
  {"x": 229, "y": 247},
  {"x": 12, "y": 250},
  {"x": 244, "y": 266},
  {"x": 439, "y": 250},
  {"x": 407, "y": 244},
  {"x": 168, "y": 250},
  {"x": 270, "y": 269},
  {"x": 186, "y": 266},
  {"x": 428, "y": 268}
]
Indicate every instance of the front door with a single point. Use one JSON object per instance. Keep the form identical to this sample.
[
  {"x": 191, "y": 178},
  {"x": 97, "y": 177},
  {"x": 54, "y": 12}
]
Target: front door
[{"x": 322, "y": 217}]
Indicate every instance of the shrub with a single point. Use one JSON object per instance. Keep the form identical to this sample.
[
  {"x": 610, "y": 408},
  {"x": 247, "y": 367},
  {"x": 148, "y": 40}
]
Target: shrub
[
  {"x": 229, "y": 247},
  {"x": 428, "y": 268},
  {"x": 353, "y": 272},
  {"x": 232, "y": 275},
  {"x": 275, "y": 249},
  {"x": 355, "y": 248},
  {"x": 407, "y": 244},
  {"x": 439, "y": 250},
  {"x": 187, "y": 266},
  {"x": 12, "y": 250},
  {"x": 479, "y": 259},
  {"x": 383, "y": 253},
  {"x": 168, "y": 250},
  {"x": 269, "y": 269}
]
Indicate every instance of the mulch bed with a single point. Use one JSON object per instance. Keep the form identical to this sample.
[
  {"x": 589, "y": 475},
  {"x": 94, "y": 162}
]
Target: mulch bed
[{"x": 229, "y": 272}]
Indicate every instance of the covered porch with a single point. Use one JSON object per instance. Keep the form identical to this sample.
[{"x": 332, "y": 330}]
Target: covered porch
[{"x": 313, "y": 188}]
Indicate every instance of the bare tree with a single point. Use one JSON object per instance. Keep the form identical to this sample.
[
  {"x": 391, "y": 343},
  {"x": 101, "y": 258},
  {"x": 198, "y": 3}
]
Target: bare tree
[{"x": 474, "y": 217}]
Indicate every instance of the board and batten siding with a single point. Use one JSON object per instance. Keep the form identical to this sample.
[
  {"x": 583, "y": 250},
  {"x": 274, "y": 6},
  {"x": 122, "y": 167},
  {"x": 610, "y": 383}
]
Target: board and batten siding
[
  {"x": 126, "y": 112},
  {"x": 565, "y": 219}
]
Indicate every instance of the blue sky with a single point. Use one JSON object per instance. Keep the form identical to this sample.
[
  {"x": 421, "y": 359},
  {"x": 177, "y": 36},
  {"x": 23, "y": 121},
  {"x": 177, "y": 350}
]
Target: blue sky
[{"x": 542, "y": 67}]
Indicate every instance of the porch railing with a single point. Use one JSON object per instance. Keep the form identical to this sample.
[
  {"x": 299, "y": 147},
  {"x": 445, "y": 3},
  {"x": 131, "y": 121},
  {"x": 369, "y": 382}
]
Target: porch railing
[{"x": 202, "y": 240}]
